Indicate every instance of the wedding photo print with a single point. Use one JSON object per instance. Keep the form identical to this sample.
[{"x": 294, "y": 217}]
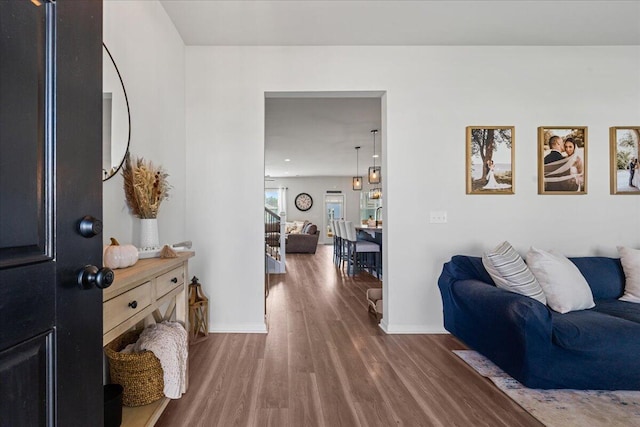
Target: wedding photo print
[
  {"x": 625, "y": 147},
  {"x": 490, "y": 160},
  {"x": 562, "y": 160}
]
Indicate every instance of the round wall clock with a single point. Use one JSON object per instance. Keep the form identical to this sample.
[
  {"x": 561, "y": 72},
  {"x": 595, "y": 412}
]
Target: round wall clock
[{"x": 304, "y": 202}]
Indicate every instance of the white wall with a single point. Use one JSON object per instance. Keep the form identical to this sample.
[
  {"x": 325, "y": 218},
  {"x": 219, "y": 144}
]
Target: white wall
[
  {"x": 150, "y": 56},
  {"x": 432, "y": 94},
  {"x": 317, "y": 187}
]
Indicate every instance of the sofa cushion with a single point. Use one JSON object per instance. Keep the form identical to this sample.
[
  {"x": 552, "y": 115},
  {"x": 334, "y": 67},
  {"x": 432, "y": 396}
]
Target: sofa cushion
[
  {"x": 591, "y": 331},
  {"x": 622, "y": 309},
  {"x": 312, "y": 229},
  {"x": 630, "y": 259},
  {"x": 463, "y": 267},
  {"x": 562, "y": 283},
  {"x": 289, "y": 227},
  {"x": 297, "y": 227},
  {"x": 604, "y": 275},
  {"x": 508, "y": 270}
]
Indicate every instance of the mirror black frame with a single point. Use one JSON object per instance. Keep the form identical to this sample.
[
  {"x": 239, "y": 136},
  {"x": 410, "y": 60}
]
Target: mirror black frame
[{"x": 126, "y": 100}]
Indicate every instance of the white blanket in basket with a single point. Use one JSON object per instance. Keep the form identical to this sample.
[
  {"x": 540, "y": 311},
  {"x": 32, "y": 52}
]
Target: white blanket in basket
[{"x": 168, "y": 341}]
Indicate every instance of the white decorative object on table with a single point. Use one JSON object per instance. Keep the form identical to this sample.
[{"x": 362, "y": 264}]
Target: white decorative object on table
[
  {"x": 149, "y": 239},
  {"x": 145, "y": 187},
  {"x": 120, "y": 256}
]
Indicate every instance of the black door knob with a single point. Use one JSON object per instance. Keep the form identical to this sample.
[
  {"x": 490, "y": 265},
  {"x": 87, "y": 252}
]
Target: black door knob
[
  {"x": 90, "y": 275},
  {"x": 133, "y": 304},
  {"x": 89, "y": 226}
]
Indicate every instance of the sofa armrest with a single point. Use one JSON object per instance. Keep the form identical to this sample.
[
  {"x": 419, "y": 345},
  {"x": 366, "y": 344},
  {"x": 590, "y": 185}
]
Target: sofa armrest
[
  {"x": 495, "y": 308},
  {"x": 507, "y": 327},
  {"x": 302, "y": 243}
]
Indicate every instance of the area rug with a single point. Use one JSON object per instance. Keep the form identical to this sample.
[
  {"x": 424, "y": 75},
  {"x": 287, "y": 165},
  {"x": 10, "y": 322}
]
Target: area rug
[{"x": 562, "y": 408}]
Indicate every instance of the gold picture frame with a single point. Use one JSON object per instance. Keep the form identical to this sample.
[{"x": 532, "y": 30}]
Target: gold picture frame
[
  {"x": 490, "y": 166},
  {"x": 624, "y": 143},
  {"x": 562, "y": 160}
]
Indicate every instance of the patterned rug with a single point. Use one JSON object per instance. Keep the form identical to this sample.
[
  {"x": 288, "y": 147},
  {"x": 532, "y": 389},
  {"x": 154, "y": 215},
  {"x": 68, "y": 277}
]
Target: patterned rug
[{"x": 562, "y": 408}]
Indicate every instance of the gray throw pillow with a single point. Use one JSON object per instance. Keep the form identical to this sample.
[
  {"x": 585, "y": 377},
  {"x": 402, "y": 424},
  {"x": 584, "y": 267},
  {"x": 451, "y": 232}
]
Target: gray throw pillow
[{"x": 509, "y": 271}]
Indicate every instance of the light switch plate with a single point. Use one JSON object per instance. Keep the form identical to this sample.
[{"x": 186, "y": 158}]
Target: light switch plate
[{"x": 438, "y": 217}]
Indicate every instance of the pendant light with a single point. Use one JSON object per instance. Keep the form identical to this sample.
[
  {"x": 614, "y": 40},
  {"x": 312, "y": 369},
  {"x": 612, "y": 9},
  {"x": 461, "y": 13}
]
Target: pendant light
[
  {"x": 374, "y": 171},
  {"x": 357, "y": 180},
  {"x": 375, "y": 193}
]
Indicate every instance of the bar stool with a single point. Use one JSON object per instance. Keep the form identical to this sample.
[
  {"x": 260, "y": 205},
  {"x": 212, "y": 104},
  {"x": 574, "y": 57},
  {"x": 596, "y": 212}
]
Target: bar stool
[
  {"x": 336, "y": 240},
  {"x": 357, "y": 247},
  {"x": 343, "y": 243},
  {"x": 339, "y": 243}
]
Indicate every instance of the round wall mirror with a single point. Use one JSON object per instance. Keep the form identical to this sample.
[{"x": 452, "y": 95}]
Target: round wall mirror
[{"x": 116, "y": 121}]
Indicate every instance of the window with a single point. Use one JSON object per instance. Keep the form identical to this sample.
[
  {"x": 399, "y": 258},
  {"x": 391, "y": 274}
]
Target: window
[
  {"x": 271, "y": 197},
  {"x": 275, "y": 199}
]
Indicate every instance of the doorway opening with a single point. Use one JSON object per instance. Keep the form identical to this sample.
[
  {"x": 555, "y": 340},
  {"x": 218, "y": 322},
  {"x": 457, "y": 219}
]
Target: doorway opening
[
  {"x": 334, "y": 209},
  {"x": 310, "y": 155}
]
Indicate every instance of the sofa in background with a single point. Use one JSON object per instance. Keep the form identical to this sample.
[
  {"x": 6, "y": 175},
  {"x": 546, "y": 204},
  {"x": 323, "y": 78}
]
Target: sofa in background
[
  {"x": 299, "y": 240},
  {"x": 304, "y": 242},
  {"x": 595, "y": 349}
]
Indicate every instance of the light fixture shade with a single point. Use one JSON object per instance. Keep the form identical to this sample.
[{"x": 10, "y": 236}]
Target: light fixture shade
[
  {"x": 357, "y": 183},
  {"x": 375, "y": 193},
  {"x": 374, "y": 175}
]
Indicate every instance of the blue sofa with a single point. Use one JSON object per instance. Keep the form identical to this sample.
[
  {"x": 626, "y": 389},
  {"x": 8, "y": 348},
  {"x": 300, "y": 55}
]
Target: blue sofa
[{"x": 596, "y": 349}]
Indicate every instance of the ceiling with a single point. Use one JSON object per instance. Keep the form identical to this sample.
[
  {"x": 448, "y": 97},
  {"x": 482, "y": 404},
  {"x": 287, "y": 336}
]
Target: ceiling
[
  {"x": 400, "y": 23},
  {"x": 318, "y": 134}
]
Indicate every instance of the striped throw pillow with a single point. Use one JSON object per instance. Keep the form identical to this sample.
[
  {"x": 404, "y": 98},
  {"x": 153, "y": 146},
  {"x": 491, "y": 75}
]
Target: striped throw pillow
[{"x": 509, "y": 271}]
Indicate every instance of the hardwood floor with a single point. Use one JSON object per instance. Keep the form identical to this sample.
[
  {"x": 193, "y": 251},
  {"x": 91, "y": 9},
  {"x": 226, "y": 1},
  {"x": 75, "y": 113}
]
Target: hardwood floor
[{"x": 325, "y": 362}]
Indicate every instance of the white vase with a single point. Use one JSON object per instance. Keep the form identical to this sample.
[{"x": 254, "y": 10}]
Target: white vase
[{"x": 149, "y": 233}]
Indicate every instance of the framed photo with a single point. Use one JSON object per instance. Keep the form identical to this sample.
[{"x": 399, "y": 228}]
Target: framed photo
[
  {"x": 490, "y": 159},
  {"x": 625, "y": 147},
  {"x": 562, "y": 160}
]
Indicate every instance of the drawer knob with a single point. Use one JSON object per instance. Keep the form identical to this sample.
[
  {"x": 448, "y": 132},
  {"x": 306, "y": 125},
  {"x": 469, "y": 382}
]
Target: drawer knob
[
  {"x": 174, "y": 280},
  {"x": 133, "y": 304}
]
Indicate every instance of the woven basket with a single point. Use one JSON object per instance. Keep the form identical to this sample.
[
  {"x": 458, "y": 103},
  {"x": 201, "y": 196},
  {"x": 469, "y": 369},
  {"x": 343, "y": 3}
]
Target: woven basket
[{"x": 140, "y": 374}]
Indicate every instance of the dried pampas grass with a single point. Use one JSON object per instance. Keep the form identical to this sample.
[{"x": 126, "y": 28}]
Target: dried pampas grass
[{"x": 145, "y": 187}]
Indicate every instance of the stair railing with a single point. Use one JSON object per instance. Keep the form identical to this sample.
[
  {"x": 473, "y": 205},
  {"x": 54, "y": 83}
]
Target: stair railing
[{"x": 275, "y": 234}]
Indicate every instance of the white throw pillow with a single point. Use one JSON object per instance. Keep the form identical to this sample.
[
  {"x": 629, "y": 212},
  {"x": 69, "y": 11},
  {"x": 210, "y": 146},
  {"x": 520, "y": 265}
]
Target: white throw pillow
[
  {"x": 630, "y": 259},
  {"x": 508, "y": 270},
  {"x": 564, "y": 286}
]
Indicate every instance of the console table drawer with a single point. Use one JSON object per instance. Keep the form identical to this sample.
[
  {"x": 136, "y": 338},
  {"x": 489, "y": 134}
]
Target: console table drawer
[
  {"x": 122, "y": 307},
  {"x": 169, "y": 281}
]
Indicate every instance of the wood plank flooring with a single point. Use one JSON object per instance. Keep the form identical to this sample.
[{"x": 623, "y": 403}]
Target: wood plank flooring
[{"x": 325, "y": 362}]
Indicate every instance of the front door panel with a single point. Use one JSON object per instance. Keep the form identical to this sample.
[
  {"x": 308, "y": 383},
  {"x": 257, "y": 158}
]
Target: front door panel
[
  {"x": 27, "y": 403},
  {"x": 50, "y": 178}
]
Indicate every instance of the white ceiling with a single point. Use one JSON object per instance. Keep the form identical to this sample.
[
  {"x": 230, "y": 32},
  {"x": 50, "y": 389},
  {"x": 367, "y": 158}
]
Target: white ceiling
[
  {"x": 318, "y": 135},
  {"x": 476, "y": 22}
]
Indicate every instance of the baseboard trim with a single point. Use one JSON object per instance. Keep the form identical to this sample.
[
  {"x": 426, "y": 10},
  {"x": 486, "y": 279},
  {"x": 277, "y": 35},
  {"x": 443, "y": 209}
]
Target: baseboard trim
[
  {"x": 384, "y": 326},
  {"x": 241, "y": 328},
  {"x": 411, "y": 329}
]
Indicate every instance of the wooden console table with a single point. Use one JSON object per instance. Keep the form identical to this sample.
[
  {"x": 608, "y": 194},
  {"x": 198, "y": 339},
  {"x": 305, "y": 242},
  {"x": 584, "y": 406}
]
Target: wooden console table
[{"x": 152, "y": 290}]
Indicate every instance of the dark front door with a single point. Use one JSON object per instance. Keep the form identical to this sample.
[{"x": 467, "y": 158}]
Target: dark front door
[{"x": 50, "y": 163}]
